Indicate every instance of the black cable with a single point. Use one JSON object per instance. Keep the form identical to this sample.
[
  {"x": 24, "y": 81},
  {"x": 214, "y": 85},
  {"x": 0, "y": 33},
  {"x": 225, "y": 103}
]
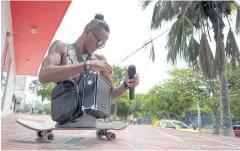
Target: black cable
[{"x": 143, "y": 46}]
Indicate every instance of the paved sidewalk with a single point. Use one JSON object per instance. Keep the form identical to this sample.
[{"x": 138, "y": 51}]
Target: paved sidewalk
[{"x": 16, "y": 137}]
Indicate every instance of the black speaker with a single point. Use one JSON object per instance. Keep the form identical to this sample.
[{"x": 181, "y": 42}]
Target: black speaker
[{"x": 96, "y": 99}]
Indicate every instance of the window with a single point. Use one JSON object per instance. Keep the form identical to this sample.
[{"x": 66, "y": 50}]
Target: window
[
  {"x": 170, "y": 125},
  {"x": 181, "y": 125},
  {"x": 236, "y": 127},
  {"x": 5, "y": 68}
]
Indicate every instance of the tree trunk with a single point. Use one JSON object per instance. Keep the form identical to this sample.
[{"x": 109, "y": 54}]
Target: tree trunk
[
  {"x": 215, "y": 119},
  {"x": 226, "y": 128},
  {"x": 14, "y": 105},
  {"x": 214, "y": 108},
  {"x": 218, "y": 25}
]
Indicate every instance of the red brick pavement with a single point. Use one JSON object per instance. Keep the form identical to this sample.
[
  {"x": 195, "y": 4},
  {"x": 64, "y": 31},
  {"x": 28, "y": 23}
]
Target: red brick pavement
[{"x": 17, "y": 137}]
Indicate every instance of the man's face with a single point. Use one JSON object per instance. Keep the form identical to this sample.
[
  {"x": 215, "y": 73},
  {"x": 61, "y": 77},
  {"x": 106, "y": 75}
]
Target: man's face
[{"x": 95, "y": 39}]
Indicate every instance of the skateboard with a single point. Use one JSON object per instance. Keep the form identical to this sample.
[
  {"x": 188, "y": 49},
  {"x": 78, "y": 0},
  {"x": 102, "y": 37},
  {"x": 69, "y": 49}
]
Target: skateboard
[{"x": 44, "y": 129}]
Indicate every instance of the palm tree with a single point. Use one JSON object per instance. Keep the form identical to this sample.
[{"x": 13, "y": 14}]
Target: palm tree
[
  {"x": 33, "y": 88},
  {"x": 118, "y": 76},
  {"x": 195, "y": 17}
]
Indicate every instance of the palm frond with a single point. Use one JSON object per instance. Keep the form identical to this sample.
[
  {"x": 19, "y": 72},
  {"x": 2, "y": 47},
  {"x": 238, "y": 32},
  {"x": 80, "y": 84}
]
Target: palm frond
[
  {"x": 164, "y": 10},
  {"x": 144, "y": 4},
  {"x": 220, "y": 53},
  {"x": 206, "y": 58},
  {"x": 193, "y": 13},
  {"x": 178, "y": 37},
  {"x": 192, "y": 53},
  {"x": 232, "y": 50},
  {"x": 237, "y": 29},
  {"x": 152, "y": 52}
]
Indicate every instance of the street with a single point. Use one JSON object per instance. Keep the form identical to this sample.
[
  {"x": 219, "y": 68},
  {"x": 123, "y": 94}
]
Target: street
[{"x": 134, "y": 137}]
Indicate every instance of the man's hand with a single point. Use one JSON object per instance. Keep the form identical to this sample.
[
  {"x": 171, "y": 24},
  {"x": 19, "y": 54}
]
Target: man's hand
[
  {"x": 134, "y": 82},
  {"x": 100, "y": 65}
]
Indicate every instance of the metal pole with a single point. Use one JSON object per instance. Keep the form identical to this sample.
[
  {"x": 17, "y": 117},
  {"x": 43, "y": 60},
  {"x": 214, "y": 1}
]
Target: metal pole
[
  {"x": 115, "y": 110},
  {"x": 199, "y": 116},
  {"x": 33, "y": 100}
]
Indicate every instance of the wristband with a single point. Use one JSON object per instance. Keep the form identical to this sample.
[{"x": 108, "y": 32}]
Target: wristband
[
  {"x": 86, "y": 66},
  {"x": 125, "y": 85}
]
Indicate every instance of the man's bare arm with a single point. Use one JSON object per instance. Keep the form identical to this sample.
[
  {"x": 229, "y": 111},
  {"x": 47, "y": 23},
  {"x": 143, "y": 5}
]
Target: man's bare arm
[
  {"x": 117, "y": 91},
  {"x": 54, "y": 67}
]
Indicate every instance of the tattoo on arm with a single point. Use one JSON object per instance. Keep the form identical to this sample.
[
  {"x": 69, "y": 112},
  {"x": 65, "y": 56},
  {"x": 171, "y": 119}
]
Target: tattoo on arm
[
  {"x": 56, "y": 53},
  {"x": 55, "y": 57},
  {"x": 57, "y": 46}
]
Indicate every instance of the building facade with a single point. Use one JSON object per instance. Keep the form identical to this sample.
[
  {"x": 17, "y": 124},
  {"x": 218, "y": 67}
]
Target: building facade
[{"x": 27, "y": 29}]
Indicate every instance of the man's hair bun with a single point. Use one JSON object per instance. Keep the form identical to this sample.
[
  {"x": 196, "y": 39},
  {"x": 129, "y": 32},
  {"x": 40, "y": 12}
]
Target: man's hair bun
[{"x": 99, "y": 16}]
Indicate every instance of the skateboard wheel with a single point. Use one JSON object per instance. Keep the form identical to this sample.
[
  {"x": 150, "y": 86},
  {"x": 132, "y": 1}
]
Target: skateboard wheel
[
  {"x": 48, "y": 137},
  {"x": 39, "y": 134},
  {"x": 99, "y": 133},
  {"x": 111, "y": 136}
]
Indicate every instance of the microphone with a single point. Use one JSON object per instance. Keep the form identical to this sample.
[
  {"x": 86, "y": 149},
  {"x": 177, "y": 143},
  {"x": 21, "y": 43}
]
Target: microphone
[{"x": 131, "y": 73}]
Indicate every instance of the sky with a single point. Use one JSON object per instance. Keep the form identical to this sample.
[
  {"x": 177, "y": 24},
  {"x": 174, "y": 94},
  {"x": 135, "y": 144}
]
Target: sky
[{"x": 129, "y": 30}]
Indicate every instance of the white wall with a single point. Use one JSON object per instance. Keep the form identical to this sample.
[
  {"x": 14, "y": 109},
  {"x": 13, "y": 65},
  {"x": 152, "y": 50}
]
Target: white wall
[
  {"x": 21, "y": 81},
  {"x": 6, "y": 25}
]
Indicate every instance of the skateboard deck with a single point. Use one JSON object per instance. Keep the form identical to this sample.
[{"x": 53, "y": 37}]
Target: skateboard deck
[
  {"x": 44, "y": 129},
  {"x": 51, "y": 125}
]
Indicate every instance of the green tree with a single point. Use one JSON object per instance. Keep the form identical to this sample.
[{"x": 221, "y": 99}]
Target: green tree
[
  {"x": 34, "y": 85},
  {"x": 135, "y": 105},
  {"x": 118, "y": 76},
  {"x": 174, "y": 97},
  {"x": 195, "y": 17},
  {"x": 27, "y": 107},
  {"x": 234, "y": 89},
  {"x": 148, "y": 105},
  {"x": 123, "y": 108},
  {"x": 206, "y": 91},
  {"x": 42, "y": 90},
  {"x": 46, "y": 107},
  {"x": 38, "y": 107}
]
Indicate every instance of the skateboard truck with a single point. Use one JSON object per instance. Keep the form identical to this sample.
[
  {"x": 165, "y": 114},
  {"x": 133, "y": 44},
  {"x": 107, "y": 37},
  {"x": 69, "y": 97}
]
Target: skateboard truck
[{"x": 109, "y": 135}]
